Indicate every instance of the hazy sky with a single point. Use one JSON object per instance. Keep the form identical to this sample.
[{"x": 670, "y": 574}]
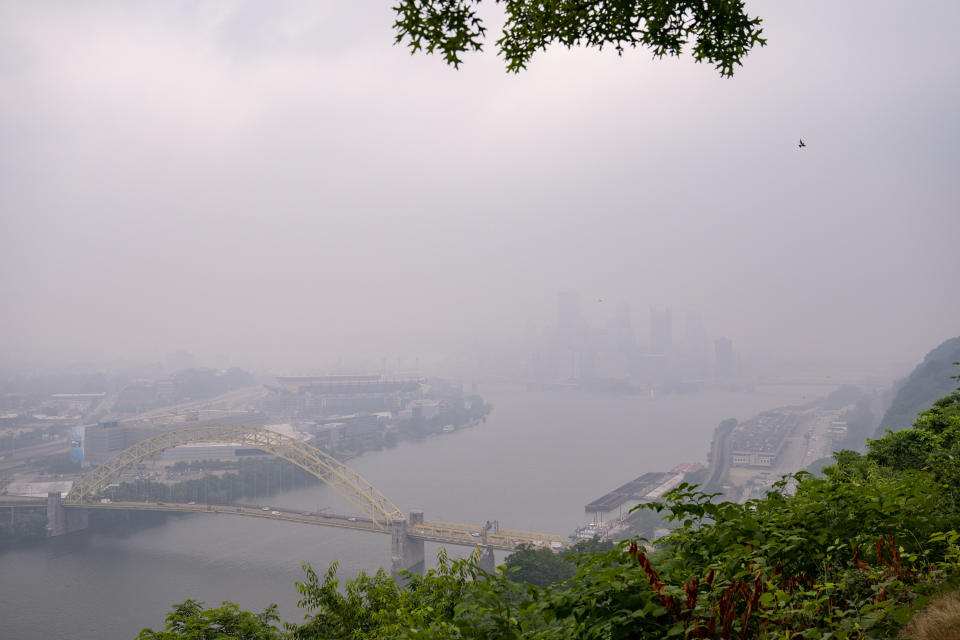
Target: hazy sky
[{"x": 277, "y": 182}]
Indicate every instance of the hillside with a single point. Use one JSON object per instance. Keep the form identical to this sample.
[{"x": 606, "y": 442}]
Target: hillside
[{"x": 930, "y": 380}]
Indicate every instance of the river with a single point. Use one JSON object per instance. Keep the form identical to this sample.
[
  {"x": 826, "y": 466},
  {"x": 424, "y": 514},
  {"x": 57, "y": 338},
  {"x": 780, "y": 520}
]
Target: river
[{"x": 536, "y": 461}]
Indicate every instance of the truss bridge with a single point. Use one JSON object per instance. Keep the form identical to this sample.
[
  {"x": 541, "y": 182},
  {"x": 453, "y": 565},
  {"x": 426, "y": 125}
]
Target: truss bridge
[{"x": 378, "y": 513}]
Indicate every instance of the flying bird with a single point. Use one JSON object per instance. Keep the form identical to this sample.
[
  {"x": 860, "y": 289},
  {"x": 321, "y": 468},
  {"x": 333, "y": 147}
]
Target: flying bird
[{"x": 802, "y": 143}]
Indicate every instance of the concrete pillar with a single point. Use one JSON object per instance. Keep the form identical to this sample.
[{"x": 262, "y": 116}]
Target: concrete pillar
[
  {"x": 414, "y": 552},
  {"x": 485, "y": 560},
  {"x": 61, "y": 521},
  {"x": 406, "y": 553}
]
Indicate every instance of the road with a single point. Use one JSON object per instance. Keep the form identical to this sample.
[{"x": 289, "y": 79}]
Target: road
[{"x": 442, "y": 532}]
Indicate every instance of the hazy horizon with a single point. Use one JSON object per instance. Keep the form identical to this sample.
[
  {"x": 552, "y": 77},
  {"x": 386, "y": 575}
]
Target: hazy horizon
[{"x": 277, "y": 186}]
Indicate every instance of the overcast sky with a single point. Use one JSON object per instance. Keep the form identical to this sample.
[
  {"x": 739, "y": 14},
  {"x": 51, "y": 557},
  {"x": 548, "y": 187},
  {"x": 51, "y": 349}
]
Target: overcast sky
[{"x": 278, "y": 183}]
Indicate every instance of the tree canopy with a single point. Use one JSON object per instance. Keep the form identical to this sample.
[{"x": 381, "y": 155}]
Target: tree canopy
[{"x": 718, "y": 31}]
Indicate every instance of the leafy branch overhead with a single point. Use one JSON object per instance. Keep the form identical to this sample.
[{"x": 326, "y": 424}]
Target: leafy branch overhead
[{"x": 718, "y": 31}]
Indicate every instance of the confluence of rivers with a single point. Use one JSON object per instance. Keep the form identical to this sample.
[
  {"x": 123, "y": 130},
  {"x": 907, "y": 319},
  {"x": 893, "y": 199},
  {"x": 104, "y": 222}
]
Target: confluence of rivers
[{"x": 533, "y": 465}]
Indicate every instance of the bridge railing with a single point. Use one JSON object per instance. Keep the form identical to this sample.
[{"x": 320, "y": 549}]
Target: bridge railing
[{"x": 507, "y": 539}]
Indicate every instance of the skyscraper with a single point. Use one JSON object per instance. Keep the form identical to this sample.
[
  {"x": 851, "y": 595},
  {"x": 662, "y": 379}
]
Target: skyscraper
[
  {"x": 624, "y": 337},
  {"x": 695, "y": 334},
  {"x": 661, "y": 332},
  {"x": 723, "y": 352},
  {"x": 568, "y": 316}
]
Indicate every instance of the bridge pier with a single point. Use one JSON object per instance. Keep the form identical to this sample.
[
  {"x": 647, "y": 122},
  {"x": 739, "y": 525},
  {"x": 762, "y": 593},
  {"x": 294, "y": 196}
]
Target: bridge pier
[
  {"x": 406, "y": 552},
  {"x": 61, "y": 521},
  {"x": 485, "y": 560}
]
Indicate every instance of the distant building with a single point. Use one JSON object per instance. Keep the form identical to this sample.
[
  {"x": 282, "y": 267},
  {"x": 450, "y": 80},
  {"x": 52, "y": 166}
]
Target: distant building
[
  {"x": 695, "y": 333},
  {"x": 661, "y": 332},
  {"x": 624, "y": 337},
  {"x": 207, "y": 451},
  {"x": 754, "y": 458},
  {"x": 723, "y": 357},
  {"x": 316, "y": 396},
  {"x": 837, "y": 430},
  {"x": 102, "y": 441},
  {"x": 568, "y": 316}
]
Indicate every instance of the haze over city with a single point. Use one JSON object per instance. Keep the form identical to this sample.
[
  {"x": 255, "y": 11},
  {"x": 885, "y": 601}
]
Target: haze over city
[
  {"x": 306, "y": 332},
  {"x": 278, "y": 186}
]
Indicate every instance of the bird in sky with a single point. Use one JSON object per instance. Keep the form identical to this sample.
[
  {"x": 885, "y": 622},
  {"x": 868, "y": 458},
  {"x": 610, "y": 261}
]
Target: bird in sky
[{"x": 802, "y": 143}]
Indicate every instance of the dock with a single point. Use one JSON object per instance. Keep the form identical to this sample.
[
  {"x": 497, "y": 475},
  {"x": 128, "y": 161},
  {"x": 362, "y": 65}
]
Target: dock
[{"x": 645, "y": 488}]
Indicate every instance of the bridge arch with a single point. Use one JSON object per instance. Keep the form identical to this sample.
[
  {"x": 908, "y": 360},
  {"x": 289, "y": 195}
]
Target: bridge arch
[{"x": 331, "y": 471}]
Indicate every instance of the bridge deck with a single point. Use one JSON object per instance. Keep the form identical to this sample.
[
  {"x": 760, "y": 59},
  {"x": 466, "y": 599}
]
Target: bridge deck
[
  {"x": 22, "y": 501},
  {"x": 442, "y": 532}
]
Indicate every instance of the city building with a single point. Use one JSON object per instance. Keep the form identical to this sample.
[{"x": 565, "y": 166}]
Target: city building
[
  {"x": 569, "y": 323},
  {"x": 661, "y": 332},
  {"x": 723, "y": 358},
  {"x": 100, "y": 442},
  {"x": 319, "y": 396}
]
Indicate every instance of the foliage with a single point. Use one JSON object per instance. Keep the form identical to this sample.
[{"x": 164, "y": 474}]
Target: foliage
[
  {"x": 378, "y": 606},
  {"x": 254, "y": 479},
  {"x": 540, "y": 567},
  {"x": 933, "y": 445},
  {"x": 720, "y": 31},
  {"x": 543, "y": 567},
  {"x": 190, "y": 621}
]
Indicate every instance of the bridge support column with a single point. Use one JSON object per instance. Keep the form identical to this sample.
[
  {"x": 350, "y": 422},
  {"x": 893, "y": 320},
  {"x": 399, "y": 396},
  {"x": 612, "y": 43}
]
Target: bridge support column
[
  {"x": 406, "y": 552},
  {"x": 61, "y": 521},
  {"x": 486, "y": 561}
]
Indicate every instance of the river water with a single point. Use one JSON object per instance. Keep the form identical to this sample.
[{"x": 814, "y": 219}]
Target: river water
[{"x": 533, "y": 465}]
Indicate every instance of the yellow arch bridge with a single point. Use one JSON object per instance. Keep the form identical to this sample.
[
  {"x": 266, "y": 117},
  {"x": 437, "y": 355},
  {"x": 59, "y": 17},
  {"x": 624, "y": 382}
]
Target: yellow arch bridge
[{"x": 380, "y": 515}]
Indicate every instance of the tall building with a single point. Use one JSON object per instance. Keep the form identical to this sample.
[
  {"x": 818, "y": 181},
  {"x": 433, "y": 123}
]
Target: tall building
[
  {"x": 568, "y": 311},
  {"x": 661, "y": 332},
  {"x": 695, "y": 334},
  {"x": 624, "y": 337},
  {"x": 723, "y": 353},
  {"x": 569, "y": 324}
]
